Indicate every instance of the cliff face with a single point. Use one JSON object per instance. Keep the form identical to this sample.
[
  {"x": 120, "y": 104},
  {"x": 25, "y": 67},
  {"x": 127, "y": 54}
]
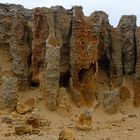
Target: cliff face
[
  {"x": 88, "y": 38},
  {"x": 52, "y": 48},
  {"x": 15, "y": 51}
]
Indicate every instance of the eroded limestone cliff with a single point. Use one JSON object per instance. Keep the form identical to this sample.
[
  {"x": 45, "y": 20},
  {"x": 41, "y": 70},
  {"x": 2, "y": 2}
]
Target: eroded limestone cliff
[{"x": 50, "y": 48}]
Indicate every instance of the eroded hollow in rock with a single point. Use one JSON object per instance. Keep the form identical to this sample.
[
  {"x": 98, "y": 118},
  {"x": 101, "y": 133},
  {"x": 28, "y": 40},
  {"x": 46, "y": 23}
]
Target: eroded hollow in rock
[
  {"x": 34, "y": 84},
  {"x": 85, "y": 79},
  {"x": 104, "y": 63},
  {"x": 5, "y": 57},
  {"x": 64, "y": 79},
  {"x": 85, "y": 75}
]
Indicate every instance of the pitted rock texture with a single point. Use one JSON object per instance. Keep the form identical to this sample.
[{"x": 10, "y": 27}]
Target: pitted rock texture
[
  {"x": 52, "y": 48},
  {"x": 15, "y": 38},
  {"x": 116, "y": 67},
  {"x": 9, "y": 93},
  {"x": 127, "y": 25},
  {"x": 84, "y": 52},
  {"x": 137, "y": 70}
]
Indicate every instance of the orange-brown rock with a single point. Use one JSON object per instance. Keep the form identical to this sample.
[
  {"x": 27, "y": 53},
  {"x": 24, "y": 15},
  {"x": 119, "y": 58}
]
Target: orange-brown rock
[
  {"x": 31, "y": 102},
  {"x": 40, "y": 34},
  {"x": 52, "y": 48},
  {"x": 124, "y": 93},
  {"x": 85, "y": 41},
  {"x": 67, "y": 134},
  {"x": 23, "y": 129},
  {"x": 50, "y": 45},
  {"x": 136, "y": 100},
  {"x": 22, "y": 108},
  {"x": 15, "y": 50},
  {"x": 33, "y": 121},
  {"x": 85, "y": 121}
]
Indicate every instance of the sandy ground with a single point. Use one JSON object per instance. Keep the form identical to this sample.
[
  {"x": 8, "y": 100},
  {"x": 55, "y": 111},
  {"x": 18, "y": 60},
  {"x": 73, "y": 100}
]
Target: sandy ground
[{"x": 123, "y": 125}]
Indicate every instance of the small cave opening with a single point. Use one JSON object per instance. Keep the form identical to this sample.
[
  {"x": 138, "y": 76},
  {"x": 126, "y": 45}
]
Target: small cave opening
[
  {"x": 104, "y": 63},
  {"x": 64, "y": 79},
  {"x": 29, "y": 61},
  {"x": 34, "y": 84},
  {"x": 85, "y": 75}
]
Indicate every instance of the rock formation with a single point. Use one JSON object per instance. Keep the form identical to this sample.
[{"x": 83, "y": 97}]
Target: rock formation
[
  {"x": 15, "y": 51},
  {"x": 50, "y": 48},
  {"x": 137, "y": 70},
  {"x": 127, "y": 26},
  {"x": 85, "y": 120},
  {"x": 67, "y": 134},
  {"x": 116, "y": 68},
  {"x": 89, "y": 35}
]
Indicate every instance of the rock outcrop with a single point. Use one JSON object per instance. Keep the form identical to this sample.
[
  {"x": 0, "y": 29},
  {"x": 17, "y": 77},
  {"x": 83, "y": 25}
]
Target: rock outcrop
[
  {"x": 137, "y": 71},
  {"x": 86, "y": 39},
  {"x": 52, "y": 48},
  {"x": 14, "y": 40},
  {"x": 9, "y": 93},
  {"x": 127, "y": 26},
  {"x": 116, "y": 66}
]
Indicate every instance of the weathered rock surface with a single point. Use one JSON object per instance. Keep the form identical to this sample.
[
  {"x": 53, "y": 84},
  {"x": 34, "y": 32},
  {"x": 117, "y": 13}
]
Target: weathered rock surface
[
  {"x": 14, "y": 36},
  {"x": 33, "y": 121},
  {"x": 23, "y": 129},
  {"x": 136, "y": 100},
  {"x": 50, "y": 48},
  {"x": 50, "y": 38},
  {"x": 9, "y": 93},
  {"x": 27, "y": 106},
  {"x": 67, "y": 134},
  {"x": 85, "y": 120},
  {"x": 124, "y": 93},
  {"x": 116, "y": 67},
  {"x": 127, "y": 25},
  {"x": 85, "y": 41},
  {"x": 137, "y": 70},
  {"x": 111, "y": 100}
]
